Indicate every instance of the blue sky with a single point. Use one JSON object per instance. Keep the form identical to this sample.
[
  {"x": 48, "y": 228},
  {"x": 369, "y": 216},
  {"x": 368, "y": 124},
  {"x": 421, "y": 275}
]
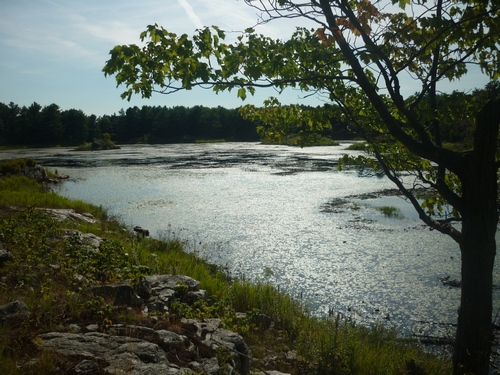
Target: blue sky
[{"x": 52, "y": 51}]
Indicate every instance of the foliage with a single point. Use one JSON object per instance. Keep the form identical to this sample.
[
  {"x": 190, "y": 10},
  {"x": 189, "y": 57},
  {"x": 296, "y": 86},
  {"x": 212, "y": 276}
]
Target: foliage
[
  {"x": 134, "y": 125},
  {"x": 15, "y": 166}
]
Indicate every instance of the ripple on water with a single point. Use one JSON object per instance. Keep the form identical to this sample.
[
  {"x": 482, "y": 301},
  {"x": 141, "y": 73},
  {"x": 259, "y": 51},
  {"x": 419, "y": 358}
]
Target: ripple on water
[{"x": 281, "y": 214}]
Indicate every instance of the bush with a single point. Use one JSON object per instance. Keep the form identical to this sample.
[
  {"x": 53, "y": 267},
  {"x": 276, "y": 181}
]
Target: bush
[{"x": 15, "y": 166}]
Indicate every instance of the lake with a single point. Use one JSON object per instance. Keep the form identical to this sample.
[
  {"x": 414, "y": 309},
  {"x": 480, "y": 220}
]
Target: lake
[{"x": 281, "y": 214}]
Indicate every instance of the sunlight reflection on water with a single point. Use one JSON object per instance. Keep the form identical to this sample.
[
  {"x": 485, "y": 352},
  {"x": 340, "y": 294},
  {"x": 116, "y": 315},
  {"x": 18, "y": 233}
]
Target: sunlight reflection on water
[{"x": 261, "y": 208}]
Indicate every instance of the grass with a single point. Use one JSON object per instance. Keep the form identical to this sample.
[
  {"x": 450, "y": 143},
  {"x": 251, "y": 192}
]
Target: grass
[
  {"x": 43, "y": 275},
  {"x": 390, "y": 211}
]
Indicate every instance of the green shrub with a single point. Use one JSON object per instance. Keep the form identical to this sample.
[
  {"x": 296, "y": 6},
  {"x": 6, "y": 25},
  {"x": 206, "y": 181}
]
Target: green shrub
[
  {"x": 15, "y": 166},
  {"x": 358, "y": 146}
]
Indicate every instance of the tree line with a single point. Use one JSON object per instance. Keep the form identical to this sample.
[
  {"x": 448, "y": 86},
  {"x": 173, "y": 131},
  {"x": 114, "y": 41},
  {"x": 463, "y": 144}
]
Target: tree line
[{"x": 50, "y": 126}]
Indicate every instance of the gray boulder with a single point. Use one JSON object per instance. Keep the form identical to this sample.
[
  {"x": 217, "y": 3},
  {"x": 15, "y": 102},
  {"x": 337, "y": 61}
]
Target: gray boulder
[
  {"x": 80, "y": 238},
  {"x": 87, "y": 367},
  {"x": 121, "y": 293},
  {"x": 174, "y": 282},
  {"x": 171, "y": 340},
  {"x": 13, "y": 312},
  {"x": 162, "y": 290},
  {"x": 37, "y": 173},
  {"x": 113, "y": 354},
  {"x": 69, "y": 214},
  {"x": 216, "y": 337}
]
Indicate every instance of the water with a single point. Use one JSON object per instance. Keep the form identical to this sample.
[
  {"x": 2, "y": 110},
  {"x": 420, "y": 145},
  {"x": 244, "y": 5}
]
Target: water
[{"x": 266, "y": 212}]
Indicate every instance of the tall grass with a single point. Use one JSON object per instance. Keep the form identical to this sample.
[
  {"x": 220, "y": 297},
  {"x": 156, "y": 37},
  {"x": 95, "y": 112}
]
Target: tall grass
[{"x": 21, "y": 191}]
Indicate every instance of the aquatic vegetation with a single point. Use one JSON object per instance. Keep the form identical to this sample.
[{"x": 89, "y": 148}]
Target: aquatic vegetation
[{"x": 390, "y": 211}]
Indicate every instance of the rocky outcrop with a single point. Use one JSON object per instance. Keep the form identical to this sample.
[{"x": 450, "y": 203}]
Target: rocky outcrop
[
  {"x": 141, "y": 350},
  {"x": 39, "y": 174},
  {"x": 69, "y": 214},
  {"x": 215, "y": 337},
  {"x": 164, "y": 289},
  {"x": 36, "y": 172},
  {"x": 159, "y": 346},
  {"x": 156, "y": 293},
  {"x": 201, "y": 347}
]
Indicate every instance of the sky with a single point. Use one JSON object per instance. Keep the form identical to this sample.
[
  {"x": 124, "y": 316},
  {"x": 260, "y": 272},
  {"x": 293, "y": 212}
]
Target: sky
[{"x": 53, "y": 51}]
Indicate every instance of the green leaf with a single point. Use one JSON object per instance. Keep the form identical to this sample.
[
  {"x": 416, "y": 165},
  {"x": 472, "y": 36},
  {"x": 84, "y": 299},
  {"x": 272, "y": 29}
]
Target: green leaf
[{"x": 242, "y": 93}]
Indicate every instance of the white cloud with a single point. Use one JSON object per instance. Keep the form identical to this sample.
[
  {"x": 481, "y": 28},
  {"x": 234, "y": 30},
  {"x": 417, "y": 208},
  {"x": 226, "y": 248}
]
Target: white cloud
[{"x": 193, "y": 17}]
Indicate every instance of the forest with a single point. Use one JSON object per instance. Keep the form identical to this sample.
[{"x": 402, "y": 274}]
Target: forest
[{"x": 37, "y": 126}]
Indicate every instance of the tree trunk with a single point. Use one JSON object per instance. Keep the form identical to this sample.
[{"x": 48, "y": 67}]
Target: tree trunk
[
  {"x": 473, "y": 340},
  {"x": 478, "y": 248}
]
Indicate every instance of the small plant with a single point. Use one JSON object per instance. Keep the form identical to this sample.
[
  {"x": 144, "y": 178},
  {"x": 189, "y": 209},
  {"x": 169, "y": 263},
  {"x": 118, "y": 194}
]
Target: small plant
[
  {"x": 358, "y": 146},
  {"x": 390, "y": 211},
  {"x": 268, "y": 272}
]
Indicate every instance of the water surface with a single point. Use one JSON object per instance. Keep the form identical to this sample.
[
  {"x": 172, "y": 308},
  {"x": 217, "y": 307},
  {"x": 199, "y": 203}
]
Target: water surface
[{"x": 281, "y": 214}]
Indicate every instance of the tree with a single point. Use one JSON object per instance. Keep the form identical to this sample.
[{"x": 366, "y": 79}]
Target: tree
[
  {"x": 75, "y": 126},
  {"x": 358, "y": 55},
  {"x": 9, "y": 118}
]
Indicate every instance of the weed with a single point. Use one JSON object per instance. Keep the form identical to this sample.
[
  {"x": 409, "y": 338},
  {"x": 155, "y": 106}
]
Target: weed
[{"x": 390, "y": 211}]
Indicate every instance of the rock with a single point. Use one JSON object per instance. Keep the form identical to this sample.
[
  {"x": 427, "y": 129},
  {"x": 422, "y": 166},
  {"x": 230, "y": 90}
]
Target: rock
[
  {"x": 144, "y": 289},
  {"x": 116, "y": 354},
  {"x": 193, "y": 296},
  {"x": 141, "y": 232},
  {"x": 127, "y": 363},
  {"x": 163, "y": 289},
  {"x": 135, "y": 349},
  {"x": 240, "y": 356},
  {"x": 156, "y": 306},
  {"x": 139, "y": 332},
  {"x": 89, "y": 239},
  {"x": 172, "y": 340},
  {"x": 69, "y": 214},
  {"x": 112, "y": 354},
  {"x": 5, "y": 255},
  {"x": 145, "y": 351},
  {"x": 452, "y": 283},
  {"x": 215, "y": 337},
  {"x": 37, "y": 173},
  {"x": 175, "y": 282},
  {"x": 13, "y": 312},
  {"x": 121, "y": 293},
  {"x": 87, "y": 367},
  {"x": 209, "y": 367},
  {"x": 103, "y": 144}
]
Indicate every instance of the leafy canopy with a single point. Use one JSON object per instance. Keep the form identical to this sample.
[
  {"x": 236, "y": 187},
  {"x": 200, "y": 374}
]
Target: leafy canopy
[{"x": 358, "y": 55}]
